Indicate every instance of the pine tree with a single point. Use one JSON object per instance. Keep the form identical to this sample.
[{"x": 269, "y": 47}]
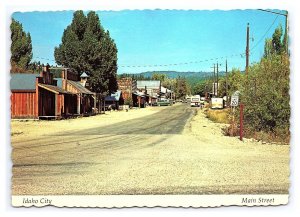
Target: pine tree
[
  {"x": 21, "y": 47},
  {"x": 87, "y": 47}
]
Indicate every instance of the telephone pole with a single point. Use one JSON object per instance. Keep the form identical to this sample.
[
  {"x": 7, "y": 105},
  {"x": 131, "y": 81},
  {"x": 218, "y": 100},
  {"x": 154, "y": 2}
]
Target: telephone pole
[
  {"x": 247, "y": 51},
  {"x": 227, "y": 98},
  {"x": 214, "y": 79},
  {"x": 217, "y": 78}
]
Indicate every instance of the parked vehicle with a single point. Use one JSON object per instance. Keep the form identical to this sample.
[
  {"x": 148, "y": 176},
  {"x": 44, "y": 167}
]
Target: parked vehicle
[
  {"x": 164, "y": 102},
  {"x": 195, "y": 101},
  {"x": 187, "y": 99}
]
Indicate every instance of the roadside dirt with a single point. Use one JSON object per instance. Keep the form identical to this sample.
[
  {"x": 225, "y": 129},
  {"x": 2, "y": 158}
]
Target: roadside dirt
[{"x": 165, "y": 150}]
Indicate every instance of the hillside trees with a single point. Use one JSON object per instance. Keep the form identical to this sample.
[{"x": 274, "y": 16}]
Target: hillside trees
[
  {"x": 87, "y": 47},
  {"x": 21, "y": 47}
]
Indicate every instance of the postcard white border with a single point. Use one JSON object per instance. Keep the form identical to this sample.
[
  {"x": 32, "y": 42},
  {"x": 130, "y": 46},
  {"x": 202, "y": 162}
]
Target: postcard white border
[
  {"x": 6, "y": 8},
  {"x": 119, "y": 201}
]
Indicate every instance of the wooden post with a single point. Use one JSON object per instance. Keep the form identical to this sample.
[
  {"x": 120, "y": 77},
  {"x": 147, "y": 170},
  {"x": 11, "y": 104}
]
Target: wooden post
[
  {"x": 78, "y": 103},
  {"x": 104, "y": 104},
  {"x": 241, "y": 121},
  {"x": 233, "y": 121},
  {"x": 95, "y": 103}
]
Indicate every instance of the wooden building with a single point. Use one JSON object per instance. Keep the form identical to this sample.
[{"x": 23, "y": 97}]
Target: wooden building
[
  {"x": 86, "y": 100},
  {"x": 151, "y": 90},
  {"x": 114, "y": 100},
  {"x": 38, "y": 96},
  {"x": 127, "y": 86}
]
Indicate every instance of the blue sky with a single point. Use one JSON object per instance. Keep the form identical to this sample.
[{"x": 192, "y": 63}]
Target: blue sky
[{"x": 163, "y": 37}]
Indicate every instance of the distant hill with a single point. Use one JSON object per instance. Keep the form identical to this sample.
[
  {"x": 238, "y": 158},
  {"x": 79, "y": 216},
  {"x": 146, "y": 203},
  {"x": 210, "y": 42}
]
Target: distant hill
[
  {"x": 175, "y": 74},
  {"x": 191, "y": 77}
]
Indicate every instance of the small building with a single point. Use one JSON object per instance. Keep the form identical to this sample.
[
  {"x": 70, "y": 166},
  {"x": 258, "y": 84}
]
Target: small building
[
  {"x": 86, "y": 100},
  {"x": 139, "y": 99},
  {"x": 151, "y": 90},
  {"x": 127, "y": 86},
  {"x": 166, "y": 93},
  {"x": 38, "y": 96},
  {"x": 114, "y": 100}
]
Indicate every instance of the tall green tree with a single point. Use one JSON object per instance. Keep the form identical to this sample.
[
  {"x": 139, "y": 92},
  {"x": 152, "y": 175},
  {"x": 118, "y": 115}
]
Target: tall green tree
[
  {"x": 21, "y": 47},
  {"x": 276, "y": 44},
  {"x": 181, "y": 88},
  {"x": 87, "y": 47}
]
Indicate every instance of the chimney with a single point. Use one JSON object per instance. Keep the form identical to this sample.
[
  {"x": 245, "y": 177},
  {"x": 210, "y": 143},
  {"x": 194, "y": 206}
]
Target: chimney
[{"x": 64, "y": 75}]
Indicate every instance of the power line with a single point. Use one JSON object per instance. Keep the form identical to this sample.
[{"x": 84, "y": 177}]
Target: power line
[
  {"x": 265, "y": 33},
  {"x": 166, "y": 64},
  {"x": 273, "y": 12}
]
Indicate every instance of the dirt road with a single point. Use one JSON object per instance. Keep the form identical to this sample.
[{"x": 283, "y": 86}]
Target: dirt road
[{"x": 165, "y": 150}]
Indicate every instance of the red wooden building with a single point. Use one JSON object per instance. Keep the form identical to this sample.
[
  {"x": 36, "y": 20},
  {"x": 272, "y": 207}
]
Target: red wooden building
[{"x": 38, "y": 96}]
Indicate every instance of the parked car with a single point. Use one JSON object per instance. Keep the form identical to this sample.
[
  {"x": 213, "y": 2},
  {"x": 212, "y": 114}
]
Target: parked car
[{"x": 164, "y": 102}]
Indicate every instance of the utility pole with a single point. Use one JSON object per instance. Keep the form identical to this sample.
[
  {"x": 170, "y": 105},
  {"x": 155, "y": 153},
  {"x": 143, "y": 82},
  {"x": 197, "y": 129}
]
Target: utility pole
[
  {"x": 217, "y": 78},
  {"x": 247, "y": 51},
  {"x": 227, "y": 98},
  {"x": 214, "y": 80}
]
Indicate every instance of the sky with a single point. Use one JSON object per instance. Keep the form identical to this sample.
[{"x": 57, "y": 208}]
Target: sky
[{"x": 163, "y": 40}]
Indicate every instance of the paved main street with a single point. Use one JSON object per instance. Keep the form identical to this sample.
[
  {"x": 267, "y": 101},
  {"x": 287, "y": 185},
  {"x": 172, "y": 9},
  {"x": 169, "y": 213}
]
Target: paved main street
[{"x": 160, "y": 150}]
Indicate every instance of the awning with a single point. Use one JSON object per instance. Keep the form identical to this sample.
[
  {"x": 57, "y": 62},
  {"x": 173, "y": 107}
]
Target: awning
[
  {"x": 54, "y": 89},
  {"x": 81, "y": 89}
]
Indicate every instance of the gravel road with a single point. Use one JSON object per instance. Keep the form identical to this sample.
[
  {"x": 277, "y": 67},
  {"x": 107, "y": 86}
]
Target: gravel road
[{"x": 161, "y": 150}]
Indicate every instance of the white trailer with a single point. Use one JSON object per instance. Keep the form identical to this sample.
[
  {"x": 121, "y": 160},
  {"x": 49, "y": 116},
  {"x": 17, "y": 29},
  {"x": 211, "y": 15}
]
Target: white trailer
[{"x": 195, "y": 101}]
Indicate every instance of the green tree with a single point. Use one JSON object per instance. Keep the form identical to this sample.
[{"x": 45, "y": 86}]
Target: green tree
[
  {"x": 181, "y": 89},
  {"x": 86, "y": 46},
  {"x": 278, "y": 45},
  {"x": 21, "y": 47},
  {"x": 268, "y": 49},
  {"x": 266, "y": 95},
  {"x": 159, "y": 76}
]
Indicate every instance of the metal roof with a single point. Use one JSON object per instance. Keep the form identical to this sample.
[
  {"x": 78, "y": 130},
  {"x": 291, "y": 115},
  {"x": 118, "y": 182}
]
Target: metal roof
[
  {"x": 54, "y": 89},
  {"x": 79, "y": 87},
  {"x": 21, "y": 81},
  {"x": 114, "y": 96},
  {"x": 149, "y": 84},
  {"x": 84, "y": 75}
]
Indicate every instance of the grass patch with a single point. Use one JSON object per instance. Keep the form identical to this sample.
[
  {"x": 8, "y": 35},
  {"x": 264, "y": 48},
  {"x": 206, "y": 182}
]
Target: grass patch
[{"x": 218, "y": 115}]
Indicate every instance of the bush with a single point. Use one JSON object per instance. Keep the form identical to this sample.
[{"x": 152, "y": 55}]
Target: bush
[
  {"x": 219, "y": 116},
  {"x": 265, "y": 94}
]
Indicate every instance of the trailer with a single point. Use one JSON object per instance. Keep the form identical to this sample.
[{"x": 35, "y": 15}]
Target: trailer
[{"x": 195, "y": 101}]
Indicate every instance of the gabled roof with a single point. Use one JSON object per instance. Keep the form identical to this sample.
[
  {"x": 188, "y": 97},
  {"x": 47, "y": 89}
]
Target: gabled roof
[
  {"x": 77, "y": 85},
  {"x": 114, "y": 96},
  {"x": 84, "y": 75},
  {"x": 149, "y": 84},
  {"x": 21, "y": 81}
]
